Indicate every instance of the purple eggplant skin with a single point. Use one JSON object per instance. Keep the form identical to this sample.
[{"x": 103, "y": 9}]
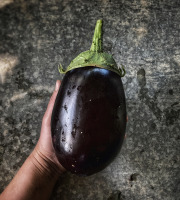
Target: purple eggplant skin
[{"x": 88, "y": 120}]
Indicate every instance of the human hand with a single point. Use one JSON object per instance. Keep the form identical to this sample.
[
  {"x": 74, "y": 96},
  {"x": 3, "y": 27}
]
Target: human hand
[
  {"x": 40, "y": 171},
  {"x": 44, "y": 154}
]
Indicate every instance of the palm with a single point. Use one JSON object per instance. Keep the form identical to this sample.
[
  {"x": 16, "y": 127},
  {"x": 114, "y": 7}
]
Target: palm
[{"x": 44, "y": 145}]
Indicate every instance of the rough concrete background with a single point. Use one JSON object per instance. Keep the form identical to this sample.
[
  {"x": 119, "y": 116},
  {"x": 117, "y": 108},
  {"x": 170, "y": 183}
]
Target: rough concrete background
[{"x": 37, "y": 35}]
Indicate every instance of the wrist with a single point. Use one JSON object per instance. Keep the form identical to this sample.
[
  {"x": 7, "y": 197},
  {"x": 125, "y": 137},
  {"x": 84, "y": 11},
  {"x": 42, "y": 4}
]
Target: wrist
[{"x": 43, "y": 166}]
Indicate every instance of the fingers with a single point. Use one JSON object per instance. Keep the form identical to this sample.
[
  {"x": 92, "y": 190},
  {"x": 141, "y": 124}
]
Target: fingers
[{"x": 48, "y": 113}]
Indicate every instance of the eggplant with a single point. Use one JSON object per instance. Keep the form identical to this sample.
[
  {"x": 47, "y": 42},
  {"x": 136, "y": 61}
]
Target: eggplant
[{"x": 89, "y": 116}]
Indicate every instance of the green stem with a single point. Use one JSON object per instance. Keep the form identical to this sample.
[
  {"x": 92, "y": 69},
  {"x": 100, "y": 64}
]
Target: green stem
[
  {"x": 95, "y": 56},
  {"x": 97, "y": 38}
]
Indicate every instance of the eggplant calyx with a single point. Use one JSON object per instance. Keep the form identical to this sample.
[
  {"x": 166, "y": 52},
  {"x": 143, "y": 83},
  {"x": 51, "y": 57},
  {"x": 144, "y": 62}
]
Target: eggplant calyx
[{"x": 95, "y": 56}]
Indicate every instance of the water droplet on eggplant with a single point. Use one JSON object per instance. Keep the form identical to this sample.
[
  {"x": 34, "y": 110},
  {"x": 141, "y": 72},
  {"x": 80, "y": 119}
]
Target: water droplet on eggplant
[
  {"x": 78, "y": 88},
  {"x": 65, "y": 107},
  {"x": 68, "y": 93},
  {"x": 73, "y": 133},
  {"x": 63, "y": 139}
]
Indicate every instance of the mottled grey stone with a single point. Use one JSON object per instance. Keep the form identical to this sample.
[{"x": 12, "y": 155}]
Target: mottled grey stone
[{"x": 143, "y": 35}]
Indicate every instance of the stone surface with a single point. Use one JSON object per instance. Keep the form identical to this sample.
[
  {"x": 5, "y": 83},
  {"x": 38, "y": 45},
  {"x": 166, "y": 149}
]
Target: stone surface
[{"x": 143, "y": 35}]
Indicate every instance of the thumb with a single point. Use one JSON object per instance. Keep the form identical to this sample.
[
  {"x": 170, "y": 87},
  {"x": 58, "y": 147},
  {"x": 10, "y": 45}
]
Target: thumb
[{"x": 48, "y": 113}]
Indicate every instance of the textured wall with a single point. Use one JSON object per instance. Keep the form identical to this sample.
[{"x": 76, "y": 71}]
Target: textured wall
[{"x": 144, "y": 35}]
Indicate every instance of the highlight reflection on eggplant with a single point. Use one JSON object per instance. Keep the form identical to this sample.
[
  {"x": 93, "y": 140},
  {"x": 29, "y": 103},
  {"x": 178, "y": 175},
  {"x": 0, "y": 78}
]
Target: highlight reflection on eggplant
[{"x": 89, "y": 116}]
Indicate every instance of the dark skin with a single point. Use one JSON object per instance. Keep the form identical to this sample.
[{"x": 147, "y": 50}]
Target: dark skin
[{"x": 39, "y": 173}]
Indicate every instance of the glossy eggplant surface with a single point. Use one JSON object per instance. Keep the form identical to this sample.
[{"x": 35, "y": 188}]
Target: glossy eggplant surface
[{"x": 88, "y": 120}]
